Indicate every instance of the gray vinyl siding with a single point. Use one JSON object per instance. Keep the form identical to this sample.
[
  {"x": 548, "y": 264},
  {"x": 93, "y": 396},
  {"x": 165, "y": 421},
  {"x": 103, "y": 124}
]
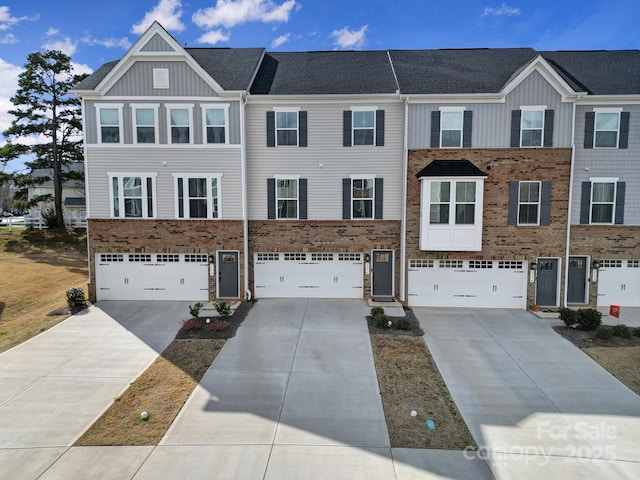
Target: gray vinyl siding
[
  {"x": 183, "y": 81},
  {"x": 325, "y": 161},
  {"x": 492, "y": 121},
  {"x": 91, "y": 134},
  {"x": 609, "y": 163},
  {"x": 157, "y": 44},
  {"x": 197, "y": 160}
]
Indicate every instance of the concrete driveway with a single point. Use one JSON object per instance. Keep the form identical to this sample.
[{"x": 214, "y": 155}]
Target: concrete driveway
[
  {"x": 53, "y": 386},
  {"x": 537, "y": 406}
]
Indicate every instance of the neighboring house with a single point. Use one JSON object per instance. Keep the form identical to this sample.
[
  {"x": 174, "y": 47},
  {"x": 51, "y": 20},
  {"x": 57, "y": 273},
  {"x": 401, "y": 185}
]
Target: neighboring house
[
  {"x": 73, "y": 198},
  {"x": 439, "y": 177}
]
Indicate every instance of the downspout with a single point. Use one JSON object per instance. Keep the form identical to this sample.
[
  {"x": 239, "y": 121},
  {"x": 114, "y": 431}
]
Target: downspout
[
  {"x": 245, "y": 219},
  {"x": 569, "y": 204},
  {"x": 87, "y": 205},
  {"x": 403, "y": 209}
]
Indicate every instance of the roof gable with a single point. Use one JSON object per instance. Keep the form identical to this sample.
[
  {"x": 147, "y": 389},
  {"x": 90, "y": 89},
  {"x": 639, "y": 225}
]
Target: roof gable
[{"x": 553, "y": 78}]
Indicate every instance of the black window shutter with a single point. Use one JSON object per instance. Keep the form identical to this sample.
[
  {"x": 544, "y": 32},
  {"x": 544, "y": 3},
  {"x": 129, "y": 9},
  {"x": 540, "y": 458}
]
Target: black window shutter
[
  {"x": 589, "y": 126},
  {"x": 378, "y": 200},
  {"x": 585, "y": 203},
  {"x": 271, "y": 129},
  {"x": 435, "y": 129},
  {"x": 514, "y": 191},
  {"x": 545, "y": 204},
  {"x": 302, "y": 129},
  {"x": 379, "y": 128},
  {"x": 302, "y": 198},
  {"x": 624, "y": 130},
  {"x": 467, "y": 122},
  {"x": 271, "y": 198},
  {"x": 515, "y": 128},
  {"x": 346, "y": 128},
  {"x": 346, "y": 199},
  {"x": 548, "y": 128},
  {"x": 620, "y": 188}
]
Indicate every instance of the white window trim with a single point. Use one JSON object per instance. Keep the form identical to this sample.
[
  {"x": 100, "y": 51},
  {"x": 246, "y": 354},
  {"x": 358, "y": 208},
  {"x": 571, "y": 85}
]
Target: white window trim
[
  {"x": 177, "y": 106},
  {"x": 539, "y": 203},
  {"x": 353, "y": 128},
  {"x": 288, "y": 177},
  {"x": 144, "y": 176},
  {"x": 613, "y": 180},
  {"x": 532, "y": 108},
  {"x": 595, "y": 129},
  {"x": 373, "y": 197},
  {"x": 287, "y": 110},
  {"x": 460, "y": 110},
  {"x": 209, "y": 177},
  {"x": 161, "y": 79},
  {"x": 225, "y": 107},
  {"x": 118, "y": 106},
  {"x": 136, "y": 106}
]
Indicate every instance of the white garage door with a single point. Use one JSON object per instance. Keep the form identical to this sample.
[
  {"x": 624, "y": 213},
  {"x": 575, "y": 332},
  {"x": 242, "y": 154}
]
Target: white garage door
[
  {"x": 152, "y": 276},
  {"x": 315, "y": 275},
  {"x": 468, "y": 283},
  {"x": 619, "y": 283}
]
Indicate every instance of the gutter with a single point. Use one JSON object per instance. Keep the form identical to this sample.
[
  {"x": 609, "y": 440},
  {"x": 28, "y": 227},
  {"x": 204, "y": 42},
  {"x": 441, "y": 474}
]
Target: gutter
[
  {"x": 87, "y": 203},
  {"x": 245, "y": 218}
]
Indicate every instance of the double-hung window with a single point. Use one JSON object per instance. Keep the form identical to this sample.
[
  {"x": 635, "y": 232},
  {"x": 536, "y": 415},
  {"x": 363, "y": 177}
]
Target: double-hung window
[
  {"x": 145, "y": 121},
  {"x": 532, "y": 127},
  {"x": 286, "y": 128},
  {"x": 364, "y": 127},
  {"x": 362, "y": 197},
  {"x": 180, "y": 120},
  {"x": 459, "y": 210},
  {"x": 529, "y": 203},
  {"x": 132, "y": 195},
  {"x": 287, "y": 197},
  {"x": 607, "y": 126},
  {"x": 110, "y": 123},
  {"x": 603, "y": 194},
  {"x": 215, "y": 118},
  {"x": 198, "y": 196},
  {"x": 440, "y": 202},
  {"x": 451, "y": 121}
]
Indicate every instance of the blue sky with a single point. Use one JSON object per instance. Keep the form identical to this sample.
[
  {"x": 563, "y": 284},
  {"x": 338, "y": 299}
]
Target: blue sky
[{"x": 96, "y": 32}]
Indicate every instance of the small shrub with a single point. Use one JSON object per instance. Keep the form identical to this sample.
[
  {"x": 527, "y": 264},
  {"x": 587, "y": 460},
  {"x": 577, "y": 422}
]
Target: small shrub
[
  {"x": 568, "y": 316},
  {"x": 377, "y": 311},
  {"x": 190, "y": 325},
  {"x": 636, "y": 332},
  {"x": 75, "y": 297},
  {"x": 403, "y": 324},
  {"x": 194, "y": 310},
  {"x": 604, "y": 333},
  {"x": 224, "y": 310},
  {"x": 381, "y": 320},
  {"x": 621, "y": 330},
  {"x": 589, "y": 319},
  {"x": 49, "y": 217}
]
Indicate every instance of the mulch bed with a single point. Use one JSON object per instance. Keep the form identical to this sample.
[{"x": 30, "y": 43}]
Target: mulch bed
[
  {"x": 198, "y": 328},
  {"x": 67, "y": 310},
  {"x": 584, "y": 339},
  {"x": 414, "y": 329}
]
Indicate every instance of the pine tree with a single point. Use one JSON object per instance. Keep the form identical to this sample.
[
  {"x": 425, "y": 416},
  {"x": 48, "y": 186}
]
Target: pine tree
[{"x": 47, "y": 125}]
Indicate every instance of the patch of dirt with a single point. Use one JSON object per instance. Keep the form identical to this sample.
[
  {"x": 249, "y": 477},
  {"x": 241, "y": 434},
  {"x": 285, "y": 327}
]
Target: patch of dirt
[
  {"x": 198, "y": 328},
  {"x": 622, "y": 362},
  {"x": 161, "y": 391},
  {"x": 409, "y": 380},
  {"x": 412, "y": 325},
  {"x": 584, "y": 339}
]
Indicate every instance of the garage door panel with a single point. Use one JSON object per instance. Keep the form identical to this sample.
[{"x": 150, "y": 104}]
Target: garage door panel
[{"x": 619, "y": 283}]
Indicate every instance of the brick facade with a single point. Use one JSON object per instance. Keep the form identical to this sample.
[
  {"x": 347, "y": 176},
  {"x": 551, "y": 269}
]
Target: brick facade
[
  {"x": 163, "y": 236},
  {"x": 500, "y": 240},
  {"x": 325, "y": 236}
]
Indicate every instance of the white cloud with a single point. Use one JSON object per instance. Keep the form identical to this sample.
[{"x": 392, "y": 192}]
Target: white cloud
[
  {"x": 8, "y": 39},
  {"x": 167, "y": 12},
  {"x": 8, "y": 87},
  {"x": 345, "y": 38},
  {"x": 214, "y": 36},
  {"x": 52, "y": 32},
  {"x": 503, "y": 9},
  {"x": 7, "y": 20},
  {"x": 80, "y": 68},
  {"x": 229, "y": 13},
  {"x": 282, "y": 39},
  {"x": 110, "y": 42},
  {"x": 66, "y": 45}
]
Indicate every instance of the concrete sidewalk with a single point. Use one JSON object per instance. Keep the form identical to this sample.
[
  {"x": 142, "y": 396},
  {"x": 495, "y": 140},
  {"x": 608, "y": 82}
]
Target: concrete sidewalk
[{"x": 537, "y": 406}]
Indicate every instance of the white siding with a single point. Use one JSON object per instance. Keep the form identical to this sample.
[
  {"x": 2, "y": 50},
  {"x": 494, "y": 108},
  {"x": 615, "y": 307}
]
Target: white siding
[
  {"x": 325, "y": 162},
  {"x": 607, "y": 162},
  {"x": 201, "y": 160}
]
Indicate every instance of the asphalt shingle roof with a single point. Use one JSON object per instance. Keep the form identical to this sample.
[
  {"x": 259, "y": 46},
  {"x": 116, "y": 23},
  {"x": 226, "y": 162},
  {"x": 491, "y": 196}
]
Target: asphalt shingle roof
[
  {"x": 96, "y": 77},
  {"x": 232, "y": 68}
]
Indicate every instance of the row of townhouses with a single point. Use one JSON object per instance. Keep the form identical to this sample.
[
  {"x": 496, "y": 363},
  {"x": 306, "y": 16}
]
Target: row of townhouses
[{"x": 473, "y": 178}]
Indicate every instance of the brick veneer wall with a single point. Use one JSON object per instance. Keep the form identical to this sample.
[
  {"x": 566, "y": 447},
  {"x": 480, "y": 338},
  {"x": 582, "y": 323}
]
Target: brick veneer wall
[
  {"x": 500, "y": 240},
  {"x": 605, "y": 242},
  {"x": 325, "y": 236},
  {"x": 163, "y": 236}
]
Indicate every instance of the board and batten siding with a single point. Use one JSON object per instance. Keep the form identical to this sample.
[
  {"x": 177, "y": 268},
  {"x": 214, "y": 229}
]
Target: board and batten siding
[
  {"x": 325, "y": 161},
  {"x": 157, "y": 44},
  {"x": 91, "y": 122},
  {"x": 492, "y": 121},
  {"x": 183, "y": 81},
  {"x": 623, "y": 163},
  {"x": 181, "y": 160}
]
